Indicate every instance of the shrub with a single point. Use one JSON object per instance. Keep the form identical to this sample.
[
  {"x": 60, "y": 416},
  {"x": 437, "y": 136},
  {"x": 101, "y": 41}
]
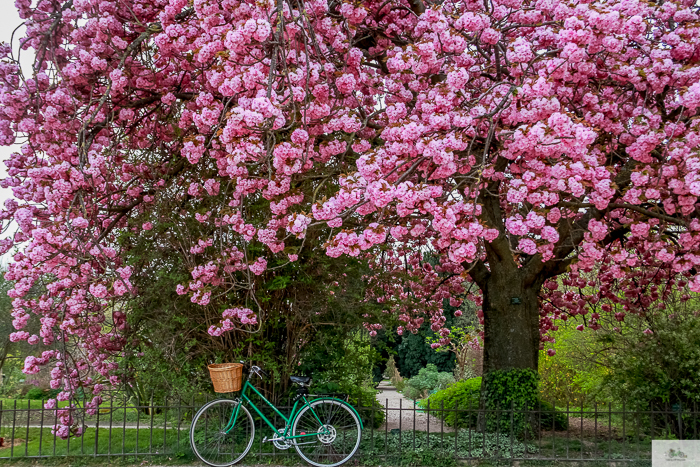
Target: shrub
[
  {"x": 462, "y": 395},
  {"x": 427, "y": 379},
  {"x": 39, "y": 393},
  {"x": 461, "y": 403}
]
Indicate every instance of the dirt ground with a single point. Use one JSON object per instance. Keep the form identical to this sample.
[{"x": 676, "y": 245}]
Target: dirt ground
[
  {"x": 587, "y": 429},
  {"x": 17, "y": 442}
]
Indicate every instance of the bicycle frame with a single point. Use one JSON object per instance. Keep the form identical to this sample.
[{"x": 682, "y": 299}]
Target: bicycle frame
[{"x": 287, "y": 421}]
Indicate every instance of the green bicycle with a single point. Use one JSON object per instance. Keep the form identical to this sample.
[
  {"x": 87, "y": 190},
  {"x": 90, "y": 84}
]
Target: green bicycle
[{"x": 325, "y": 432}]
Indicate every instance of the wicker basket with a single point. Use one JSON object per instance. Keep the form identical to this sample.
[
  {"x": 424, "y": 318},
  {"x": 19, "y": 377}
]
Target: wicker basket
[{"x": 227, "y": 377}]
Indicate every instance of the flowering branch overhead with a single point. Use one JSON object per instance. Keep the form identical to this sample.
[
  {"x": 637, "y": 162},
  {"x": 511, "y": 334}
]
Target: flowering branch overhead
[{"x": 515, "y": 141}]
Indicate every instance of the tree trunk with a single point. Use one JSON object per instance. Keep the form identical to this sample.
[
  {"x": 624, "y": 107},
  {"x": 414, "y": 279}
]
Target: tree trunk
[
  {"x": 511, "y": 323},
  {"x": 511, "y": 350}
]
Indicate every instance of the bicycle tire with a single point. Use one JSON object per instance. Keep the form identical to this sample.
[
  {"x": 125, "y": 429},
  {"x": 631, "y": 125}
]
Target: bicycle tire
[
  {"x": 218, "y": 413},
  {"x": 332, "y": 449}
]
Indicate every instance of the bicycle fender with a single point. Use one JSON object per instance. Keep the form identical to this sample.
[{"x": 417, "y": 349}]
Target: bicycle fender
[{"x": 362, "y": 427}]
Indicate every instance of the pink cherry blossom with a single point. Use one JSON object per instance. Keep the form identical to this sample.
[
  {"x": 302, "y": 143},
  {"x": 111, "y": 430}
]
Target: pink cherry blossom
[{"x": 557, "y": 142}]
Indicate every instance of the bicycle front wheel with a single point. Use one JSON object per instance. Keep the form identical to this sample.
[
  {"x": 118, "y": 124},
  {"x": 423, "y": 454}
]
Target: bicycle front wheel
[
  {"x": 338, "y": 433},
  {"x": 219, "y": 440}
]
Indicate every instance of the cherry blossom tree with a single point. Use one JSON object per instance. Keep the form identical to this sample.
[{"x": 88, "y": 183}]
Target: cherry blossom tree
[{"x": 516, "y": 140}]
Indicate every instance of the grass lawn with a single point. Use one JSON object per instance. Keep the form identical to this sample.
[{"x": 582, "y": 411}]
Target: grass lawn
[
  {"x": 100, "y": 442},
  {"x": 24, "y": 404}
]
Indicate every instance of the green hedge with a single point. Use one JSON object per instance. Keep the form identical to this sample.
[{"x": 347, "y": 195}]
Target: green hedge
[
  {"x": 459, "y": 396},
  {"x": 460, "y": 402}
]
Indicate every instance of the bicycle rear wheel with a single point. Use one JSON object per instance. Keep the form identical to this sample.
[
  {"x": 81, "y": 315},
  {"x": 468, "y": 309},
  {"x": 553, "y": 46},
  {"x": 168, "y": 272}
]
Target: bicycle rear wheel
[
  {"x": 338, "y": 436},
  {"x": 209, "y": 438}
]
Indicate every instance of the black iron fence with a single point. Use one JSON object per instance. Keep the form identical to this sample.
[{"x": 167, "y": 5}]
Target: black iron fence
[{"x": 395, "y": 432}]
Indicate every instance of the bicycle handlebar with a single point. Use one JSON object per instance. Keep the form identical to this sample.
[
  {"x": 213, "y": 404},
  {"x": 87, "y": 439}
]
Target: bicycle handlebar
[{"x": 256, "y": 369}]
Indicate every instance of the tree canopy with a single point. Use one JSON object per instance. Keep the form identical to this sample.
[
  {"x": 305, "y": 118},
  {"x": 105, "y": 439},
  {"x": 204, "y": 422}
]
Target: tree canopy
[{"x": 517, "y": 140}]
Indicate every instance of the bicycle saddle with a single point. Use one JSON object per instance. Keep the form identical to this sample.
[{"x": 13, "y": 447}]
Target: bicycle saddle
[{"x": 303, "y": 380}]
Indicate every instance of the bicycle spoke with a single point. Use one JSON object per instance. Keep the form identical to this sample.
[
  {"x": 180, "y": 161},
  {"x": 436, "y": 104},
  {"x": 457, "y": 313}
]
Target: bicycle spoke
[
  {"x": 211, "y": 443},
  {"x": 338, "y": 435}
]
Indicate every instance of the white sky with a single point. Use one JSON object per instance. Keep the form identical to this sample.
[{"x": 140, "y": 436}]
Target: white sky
[{"x": 9, "y": 20}]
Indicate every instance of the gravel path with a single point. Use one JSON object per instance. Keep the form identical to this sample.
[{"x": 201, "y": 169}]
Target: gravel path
[{"x": 393, "y": 400}]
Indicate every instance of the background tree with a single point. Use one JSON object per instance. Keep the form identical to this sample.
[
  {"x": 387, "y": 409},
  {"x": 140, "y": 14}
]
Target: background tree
[
  {"x": 648, "y": 361},
  {"x": 515, "y": 140}
]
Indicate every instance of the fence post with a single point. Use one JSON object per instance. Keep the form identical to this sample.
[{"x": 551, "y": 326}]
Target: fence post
[
  {"x": 126, "y": 403},
  {"x": 82, "y": 435},
  {"x": 371, "y": 434},
  {"x": 55, "y": 420},
  {"x": 554, "y": 426},
  {"x": 165, "y": 425},
  {"x": 568, "y": 414},
  {"x": 138, "y": 420},
  {"x": 595, "y": 428},
  {"x": 179, "y": 419},
  {"x": 150, "y": 429},
  {"x": 111, "y": 419},
  {"x": 26, "y": 439},
  {"x": 414, "y": 425},
  {"x": 638, "y": 436},
  {"x": 428, "y": 422},
  {"x": 624, "y": 425},
  {"x": 581, "y": 433},
  {"x": 14, "y": 424},
  {"x": 386, "y": 429},
  {"x": 512, "y": 428},
  {"x": 97, "y": 432},
  {"x": 456, "y": 427},
  {"x": 442, "y": 424},
  {"x": 483, "y": 416},
  {"x": 609, "y": 430},
  {"x": 400, "y": 426}
]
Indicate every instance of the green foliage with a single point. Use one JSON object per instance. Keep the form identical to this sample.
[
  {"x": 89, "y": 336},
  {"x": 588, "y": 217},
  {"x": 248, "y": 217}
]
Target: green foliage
[
  {"x": 416, "y": 448},
  {"x": 662, "y": 369},
  {"x": 571, "y": 376},
  {"x": 39, "y": 393},
  {"x": 549, "y": 418},
  {"x": 647, "y": 360},
  {"x": 12, "y": 354},
  {"x": 460, "y": 399},
  {"x": 341, "y": 364},
  {"x": 297, "y": 304},
  {"x": 508, "y": 394},
  {"x": 414, "y": 353},
  {"x": 506, "y": 388},
  {"x": 428, "y": 379},
  {"x": 659, "y": 371}
]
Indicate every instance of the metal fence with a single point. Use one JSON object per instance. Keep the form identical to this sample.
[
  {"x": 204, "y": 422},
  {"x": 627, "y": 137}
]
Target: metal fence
[{"x": 398, "y": 433}]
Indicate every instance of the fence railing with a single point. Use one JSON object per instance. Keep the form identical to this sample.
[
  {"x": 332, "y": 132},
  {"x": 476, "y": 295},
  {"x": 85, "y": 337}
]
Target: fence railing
[{"x": 394, "y": 431}]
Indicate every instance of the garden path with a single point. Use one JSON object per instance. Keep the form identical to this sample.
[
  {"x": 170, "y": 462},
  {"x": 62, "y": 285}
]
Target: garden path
[{"x": 403, "y": 414}]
